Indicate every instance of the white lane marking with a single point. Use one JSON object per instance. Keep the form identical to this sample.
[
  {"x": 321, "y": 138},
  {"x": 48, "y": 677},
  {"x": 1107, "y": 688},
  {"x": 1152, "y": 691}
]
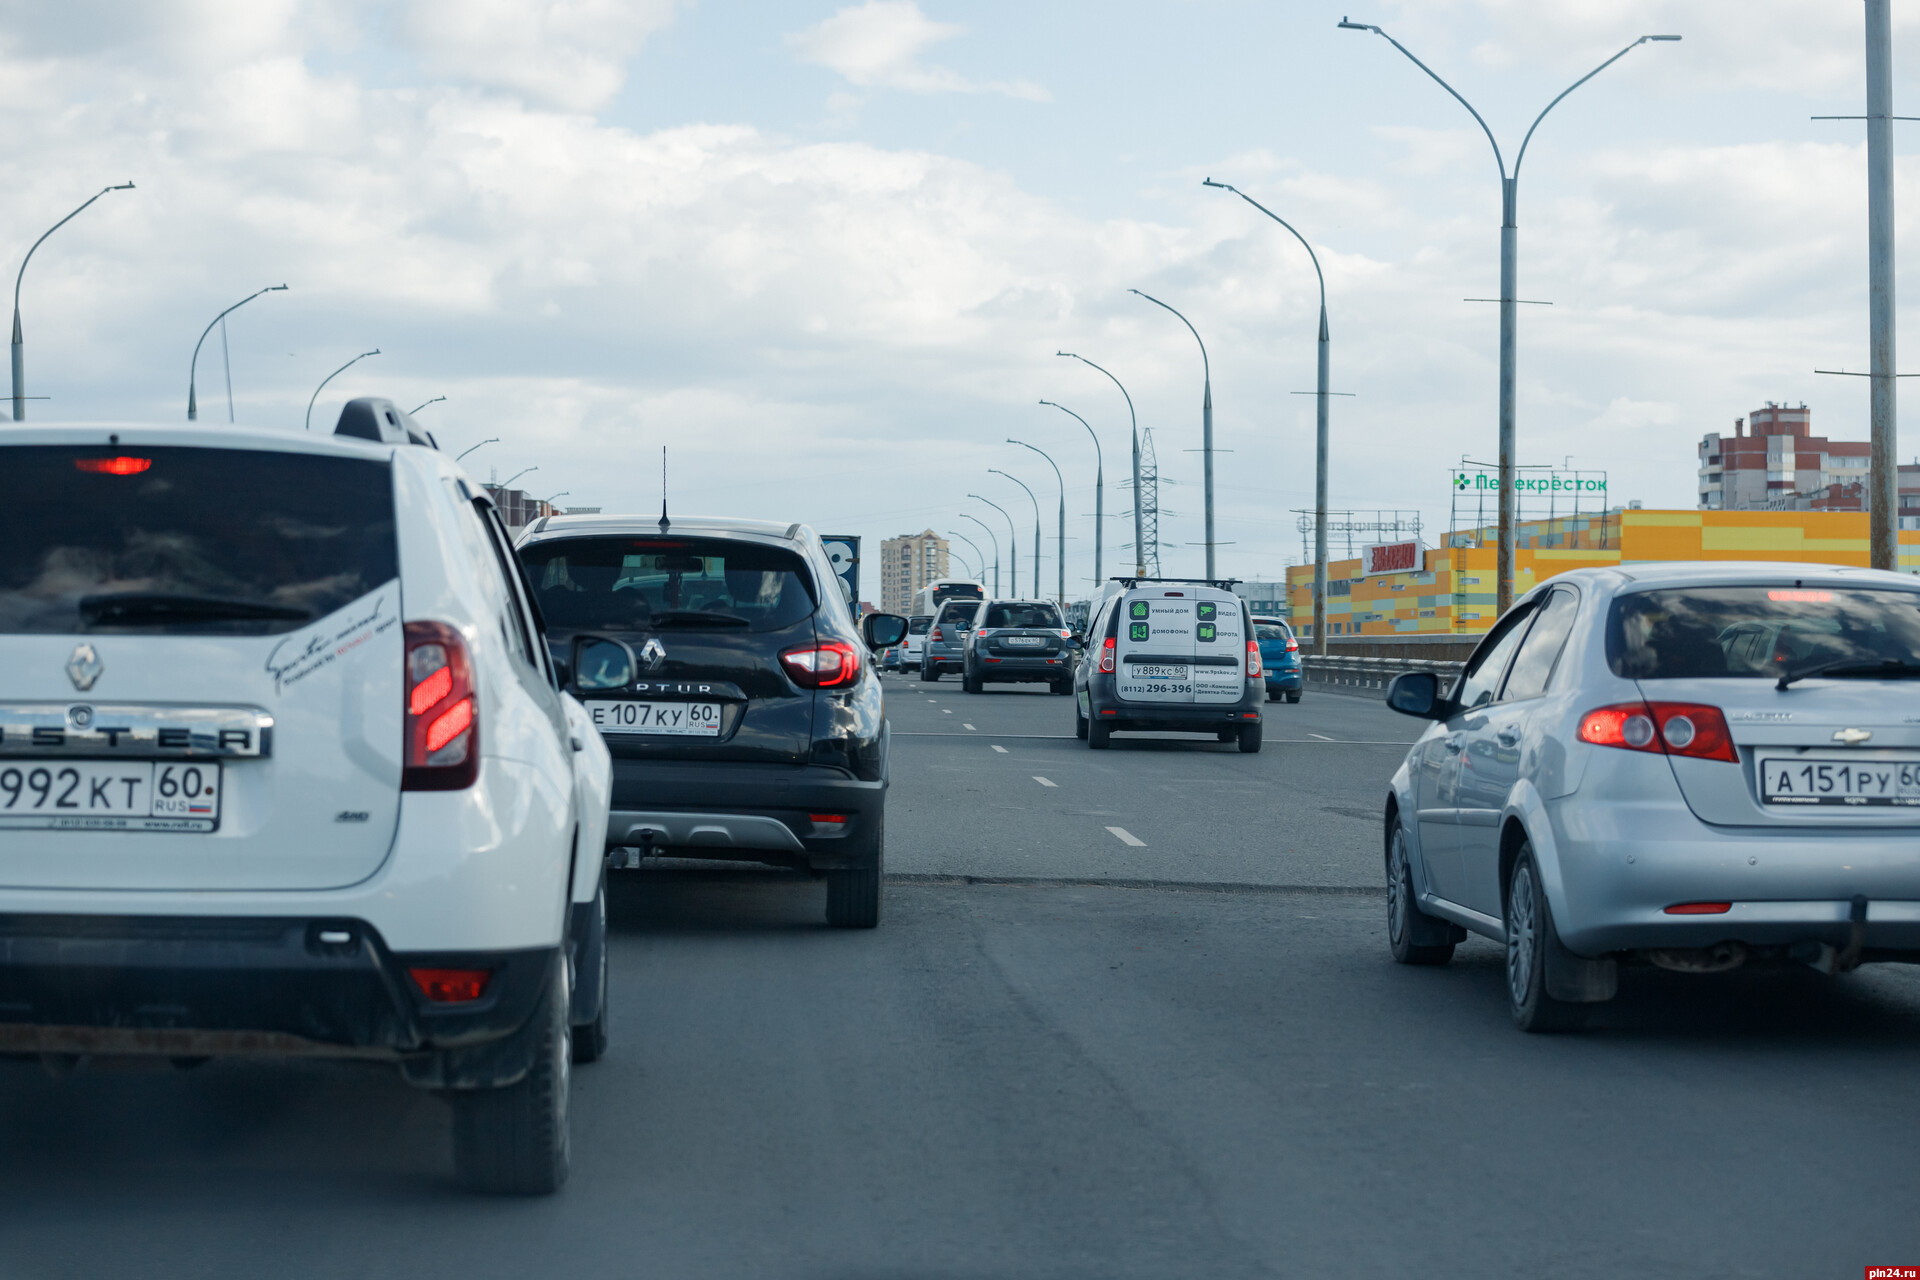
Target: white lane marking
[
  {"x": 997, "y": 747},
  {"x": 946, "y": 711},
  {"x": 1045, "y": 782},
  {"x": 1127, "y": 837},
  {"x": 1323, "y": 737},
  {"x": 933, "y": 699},
  {"x": 967, "y": 725}
]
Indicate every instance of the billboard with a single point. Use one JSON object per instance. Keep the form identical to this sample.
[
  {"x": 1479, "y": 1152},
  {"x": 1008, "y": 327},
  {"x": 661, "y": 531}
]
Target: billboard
[
  {"x": 1390, "y": 557},
  {"x": 844, "y": 552}
]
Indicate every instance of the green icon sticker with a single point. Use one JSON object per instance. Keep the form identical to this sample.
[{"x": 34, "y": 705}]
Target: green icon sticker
[
  {"x": 1138, "y": 609},
  {"x": 1205, "y": 610},
  {"x": 1138, "y": 630},
  {"x": 1206, "y": 631}
]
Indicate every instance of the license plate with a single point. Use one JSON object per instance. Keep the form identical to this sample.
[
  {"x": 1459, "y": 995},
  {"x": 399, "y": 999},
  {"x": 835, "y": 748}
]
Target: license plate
[
  {"x": 1031, "y": 641},
  {"x": 1839, "y": 780},
  {"x": 1158, "y": 671},
  {"x": 110, "y": 795},
  {"x": 672, "y": 719}
]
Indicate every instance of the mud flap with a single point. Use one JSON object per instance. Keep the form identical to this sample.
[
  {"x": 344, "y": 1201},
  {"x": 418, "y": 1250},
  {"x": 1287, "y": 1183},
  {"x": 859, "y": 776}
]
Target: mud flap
[
  {"x": 490, "y": 1064},
  {"x": 1577, "y": 979}
]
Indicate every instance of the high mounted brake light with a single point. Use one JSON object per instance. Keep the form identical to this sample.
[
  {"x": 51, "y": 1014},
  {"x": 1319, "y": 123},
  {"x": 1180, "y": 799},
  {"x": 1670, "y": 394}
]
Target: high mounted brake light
[
  {"x": 1691, "y": 729},
  {"x": 831, "y": 664},
  {"x": 113, "y": 466},
  {"x": 443, "y": 720}
]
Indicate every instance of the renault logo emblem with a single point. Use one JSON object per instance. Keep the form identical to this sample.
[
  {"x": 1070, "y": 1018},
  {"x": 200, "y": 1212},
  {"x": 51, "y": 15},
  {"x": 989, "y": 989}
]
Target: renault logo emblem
[
  {"x": 1853, "y": 737},
  {"x": 654, "y": 653},
  {"x": 84, "y": 667}
]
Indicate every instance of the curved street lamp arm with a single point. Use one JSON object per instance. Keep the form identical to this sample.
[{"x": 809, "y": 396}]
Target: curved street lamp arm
[
  {"x": 124, "y": 186},
  {"x": 1043, "y": 453},
  {"x": 1098, "y": 463},
  {"x": 193, "y": 366},
  {"x": 1204, "y": 365},
  {"x": 419, "y": 407},
  {"x": 955, "y": 533},
  {"x": 991, "y": 535},
  {"x": 515, "y": 476},
  {"x": 324, "y": 381},
  {"x": 1362, "y": 26},
  {"x": 1023, "y": 484},
  {"x": 1521, "y": 157},
  {"x": 1227, "y": 186},
  {"x": 464, "y": 452},
  {"x": 1131, "y": 416}
]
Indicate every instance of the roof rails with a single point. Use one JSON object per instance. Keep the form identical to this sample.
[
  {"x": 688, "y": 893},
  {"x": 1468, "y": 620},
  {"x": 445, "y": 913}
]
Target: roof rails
[
  {"x": 377, "y": 419},
  {"x": 1224, "y": 584}
]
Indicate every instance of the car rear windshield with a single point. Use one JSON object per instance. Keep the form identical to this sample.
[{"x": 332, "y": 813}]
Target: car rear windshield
[
  {"x": 1270, "y": 631},
  {"x": 635, "y": 584},
  {"x": 178, "y": 539},
  {"x": 919, "y": 626},
  {"x": 1759, "y": 631},
  {"x": 960, "y": 613},
  {"x": 1022, "y": 615}
]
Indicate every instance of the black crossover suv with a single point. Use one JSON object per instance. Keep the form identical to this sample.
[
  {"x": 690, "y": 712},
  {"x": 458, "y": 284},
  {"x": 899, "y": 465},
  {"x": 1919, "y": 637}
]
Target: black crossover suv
[{"x": 737, "y": 696}]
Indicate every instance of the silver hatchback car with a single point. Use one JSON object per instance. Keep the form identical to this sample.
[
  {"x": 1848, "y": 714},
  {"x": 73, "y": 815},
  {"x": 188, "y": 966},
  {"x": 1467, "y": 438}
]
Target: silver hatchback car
[{"x": 1694, "y": 765}]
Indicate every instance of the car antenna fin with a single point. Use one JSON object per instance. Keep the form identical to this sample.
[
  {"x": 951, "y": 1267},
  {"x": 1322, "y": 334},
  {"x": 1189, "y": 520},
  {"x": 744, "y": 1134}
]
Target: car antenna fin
[{"x": 663, "y": 488}]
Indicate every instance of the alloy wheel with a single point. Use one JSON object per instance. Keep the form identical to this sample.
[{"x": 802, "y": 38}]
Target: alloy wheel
[
  {"x": 1521, "y": 926},
  {"x": 1397, "y": 879}
]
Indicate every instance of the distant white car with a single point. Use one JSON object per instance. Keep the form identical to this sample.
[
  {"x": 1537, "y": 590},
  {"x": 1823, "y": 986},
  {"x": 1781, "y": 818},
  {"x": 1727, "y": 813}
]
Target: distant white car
[
  {"x": 1696, "y": 766},
  {"x": 284, "y": 770}
]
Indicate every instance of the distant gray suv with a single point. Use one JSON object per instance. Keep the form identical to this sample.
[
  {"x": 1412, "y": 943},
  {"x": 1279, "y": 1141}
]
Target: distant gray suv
[{"x": 946, "y": 644}]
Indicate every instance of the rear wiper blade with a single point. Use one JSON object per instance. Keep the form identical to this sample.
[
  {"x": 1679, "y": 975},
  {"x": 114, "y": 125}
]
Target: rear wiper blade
[
  {"x": 1848, "y": 668},
  {"x": 697, "y": 618},
  {"x": 141, "y": 608}
]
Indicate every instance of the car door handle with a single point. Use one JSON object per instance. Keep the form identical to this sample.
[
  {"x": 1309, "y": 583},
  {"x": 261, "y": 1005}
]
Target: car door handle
[{"x": 1508, "y": 737}]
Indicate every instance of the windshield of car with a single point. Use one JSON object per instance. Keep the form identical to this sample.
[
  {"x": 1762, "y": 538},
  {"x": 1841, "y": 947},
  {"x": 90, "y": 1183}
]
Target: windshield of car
[
  {"x": 634, "y": 584},
  {"x": 177, "y": 539},
  {"x": 919, "y": 626},
  {"x": 1759, "y": 632},
  {"x": 1270, "y": 631},
  {"x": 1023, "y": 615}
]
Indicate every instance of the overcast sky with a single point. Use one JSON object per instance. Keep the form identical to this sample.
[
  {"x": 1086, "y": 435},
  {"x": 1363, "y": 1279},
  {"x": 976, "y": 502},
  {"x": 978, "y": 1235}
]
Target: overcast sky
[{"x": 826, "y": 253}]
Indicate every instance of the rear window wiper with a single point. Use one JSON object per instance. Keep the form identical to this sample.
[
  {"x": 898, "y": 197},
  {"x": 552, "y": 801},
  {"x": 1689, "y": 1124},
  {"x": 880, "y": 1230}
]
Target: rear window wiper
[
  {"x": 157, "y": 608},
  {"x": 697, "y": 618},
  {"x": 1848, "y": 668}
]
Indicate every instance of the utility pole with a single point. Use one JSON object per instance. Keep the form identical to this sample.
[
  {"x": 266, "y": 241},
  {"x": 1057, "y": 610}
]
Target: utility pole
[{"x": 1883, "y": 476}]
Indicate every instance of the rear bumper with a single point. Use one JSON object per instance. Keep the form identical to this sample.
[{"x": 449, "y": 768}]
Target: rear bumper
[
  {"x": 1176, "y": 718},
  {"x": 1022, "y": 669},
  {"x": 197, "y": 986},
  {"x": 943, "y": 657},
  {"x": 750, "y": 812},
  {"x": 1284, "y": 681}
]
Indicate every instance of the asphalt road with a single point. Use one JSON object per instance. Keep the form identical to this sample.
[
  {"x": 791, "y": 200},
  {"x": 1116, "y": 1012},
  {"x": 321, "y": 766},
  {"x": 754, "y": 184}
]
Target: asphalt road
[{"x": 1054, "y": 1077}]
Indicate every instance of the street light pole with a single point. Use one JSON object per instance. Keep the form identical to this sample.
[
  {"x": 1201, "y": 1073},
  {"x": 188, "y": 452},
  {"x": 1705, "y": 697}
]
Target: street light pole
[
  {"x": 1206, "y": 423},
  {"x": 1099, "y": 491},
  {"x": 1321, "y": 395},
  {"x": 954, "y": 533},
  {"x": 330, "y": 377},
  {"x": 1509, "y": 272},
  {"x": 1061, "y": 545},
  {"x": 1036, "y": 528},
  {"x": 1883, "y": 528},
  {"x": 992, "y": 537},
  {"x": 464, "y": 452},
  {"x": 19, "y": 358},
  {"x": 193, "y": 367},
  {"x": 1139, "y": 517},
  {"x": 1013, "y": 552}
]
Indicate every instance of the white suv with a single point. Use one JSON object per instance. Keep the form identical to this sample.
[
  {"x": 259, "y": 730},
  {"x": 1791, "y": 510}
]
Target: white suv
[{"x": 284, "y": 769}]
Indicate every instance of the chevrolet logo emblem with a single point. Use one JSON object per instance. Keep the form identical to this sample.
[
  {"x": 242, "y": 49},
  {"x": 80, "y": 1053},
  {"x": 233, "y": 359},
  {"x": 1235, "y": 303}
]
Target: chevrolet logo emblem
[{"x": 1852, "y": 737}]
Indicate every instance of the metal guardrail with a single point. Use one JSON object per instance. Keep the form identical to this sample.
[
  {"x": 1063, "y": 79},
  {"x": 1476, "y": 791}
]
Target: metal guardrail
[{"x": 1369, "y": 677}]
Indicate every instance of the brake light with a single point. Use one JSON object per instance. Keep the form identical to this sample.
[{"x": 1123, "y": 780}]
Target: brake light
[
  {"x": 1293, "y": 645},
  {"x": 113, "y": 466},
  {"x": 443, "y": 728},
  {"x": 1106, "y": 656},
  {"x": 1253, "y": 659},
  {"x": 935, "y": 635},
  {"x": 830, "y": 665},
  {"x": 1691, "y": 729},
  {"x": 451, "y": 986},
  {"x": 1699, "y": 908}
]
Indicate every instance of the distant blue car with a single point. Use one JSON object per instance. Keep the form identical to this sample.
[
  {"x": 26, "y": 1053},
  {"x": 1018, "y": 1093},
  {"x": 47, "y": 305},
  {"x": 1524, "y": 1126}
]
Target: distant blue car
[{"x": 1280, "y": 657}]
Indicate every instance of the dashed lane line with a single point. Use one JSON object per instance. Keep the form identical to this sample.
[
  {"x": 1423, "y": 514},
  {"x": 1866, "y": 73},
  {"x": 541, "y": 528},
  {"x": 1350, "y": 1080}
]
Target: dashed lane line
[
  {"x": 966, "y": 726},
  {"x": 997, "y": 747},
  {"x": 1045, "y": 782},
  {"x": 1127, "y": 837},
  {"x": 946, "y": 711},
  {"x": 1323, "y": 737}
]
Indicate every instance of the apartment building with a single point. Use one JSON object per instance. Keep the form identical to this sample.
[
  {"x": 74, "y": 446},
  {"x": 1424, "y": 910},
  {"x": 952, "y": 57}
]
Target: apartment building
[
  {"x": 1774, "y": 462},
  {"x": 908, "y": 563}
]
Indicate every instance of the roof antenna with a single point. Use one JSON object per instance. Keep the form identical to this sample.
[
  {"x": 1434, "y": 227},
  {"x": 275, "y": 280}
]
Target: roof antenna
[{"x": 663, "y": 488}]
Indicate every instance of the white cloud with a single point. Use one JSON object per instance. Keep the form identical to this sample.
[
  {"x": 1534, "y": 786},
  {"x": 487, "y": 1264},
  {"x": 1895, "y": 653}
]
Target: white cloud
[
  {"x": 565, "y": 53},
  {"x": 879, "y": 45}
]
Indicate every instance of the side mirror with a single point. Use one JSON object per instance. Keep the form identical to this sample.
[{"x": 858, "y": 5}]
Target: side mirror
[
  {"x": 1077, "y": 640},
  {"x": 883, "y": 630},
  {"x": 1417, "y": 693},
  {"x": 599, "y": 663}
]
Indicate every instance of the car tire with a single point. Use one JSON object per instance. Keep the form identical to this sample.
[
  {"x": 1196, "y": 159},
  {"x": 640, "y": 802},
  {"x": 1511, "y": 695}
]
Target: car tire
[
  {"x": 590, "y": 1038},
  {"x": 1250, "y": 739},
  {"x": 1405, "y": 920},
  {"x": 1099, "y": 735},
  {"x": 969, "y": 683},
  {"x": 513, "y": 1140},
  {"x": 1079, "y": 722},
  {"x": 930, "y": 674},
  {"x": 1294, "y": 696},
  {"x": 1530, "y": 935},
  {"x": 853, "y": 893}
]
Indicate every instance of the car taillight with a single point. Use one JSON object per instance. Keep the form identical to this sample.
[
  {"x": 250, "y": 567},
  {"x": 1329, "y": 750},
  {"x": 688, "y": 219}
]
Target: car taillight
[
  {"x": 443, "y": 720},
  {"x": 1106, "y": 656},
  {"x": 1293, "y": 645},
  {"x": 1672, "y": 728},
  {"x": 451, "y": 986},
  {"x": 1253, "y": 659},
  {"x": 822, "y": 666},
  {"x": 935, "y": 635}
]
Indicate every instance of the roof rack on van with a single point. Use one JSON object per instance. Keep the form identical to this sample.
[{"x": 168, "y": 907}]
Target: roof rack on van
[
  {"x": 1224, "y": 584},
  {"x": 375, "y": 418}
]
